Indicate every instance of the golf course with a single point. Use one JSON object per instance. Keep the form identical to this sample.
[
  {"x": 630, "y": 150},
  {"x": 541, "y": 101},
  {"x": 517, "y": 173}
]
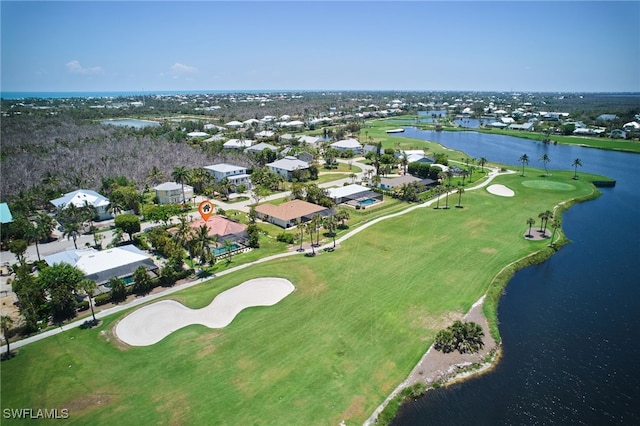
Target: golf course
[{"x": 332, "y": 350}]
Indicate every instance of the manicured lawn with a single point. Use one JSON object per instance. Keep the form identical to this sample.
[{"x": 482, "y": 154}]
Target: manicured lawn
[{"x": 358, "y": 321}]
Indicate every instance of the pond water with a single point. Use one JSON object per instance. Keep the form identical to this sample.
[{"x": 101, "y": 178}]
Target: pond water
[
  {"x": 130, "y": 122},
  {"x": 570, "y": 353}
]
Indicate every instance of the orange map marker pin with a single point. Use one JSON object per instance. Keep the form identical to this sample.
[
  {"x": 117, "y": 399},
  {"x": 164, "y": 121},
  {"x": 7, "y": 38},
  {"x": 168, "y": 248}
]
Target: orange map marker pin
[{"x": 206, "y": 209}]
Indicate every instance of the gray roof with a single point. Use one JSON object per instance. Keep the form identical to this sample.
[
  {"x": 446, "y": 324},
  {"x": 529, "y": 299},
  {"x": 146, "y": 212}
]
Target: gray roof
[{"x": 289, "y": 164}]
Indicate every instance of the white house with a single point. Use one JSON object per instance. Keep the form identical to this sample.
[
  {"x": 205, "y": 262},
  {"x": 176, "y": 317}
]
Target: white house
[
  {"x": 101, "y": 266},
  {"x": 82, "y": 197},
  {"x": 261, "y": 147},
  {"x": 197, "y": 134},
  {"x": 234, "y": 124},
  {"x": 265, "y": 134},
  {"x": 313, "y": 141},
  {"x": 348, "y": 145},
  {"x": 286, "y": 166},
  {"x": 237, "y": 144},
  {"x": 236, "y": 175},
  {"x": 171, "y": 193}
]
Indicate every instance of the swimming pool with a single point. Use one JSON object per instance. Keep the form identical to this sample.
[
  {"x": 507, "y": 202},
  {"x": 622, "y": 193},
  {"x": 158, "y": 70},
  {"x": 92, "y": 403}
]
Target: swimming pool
[
  {"x": 217, "y": 251},
  {"x": 367, "y": 202}
]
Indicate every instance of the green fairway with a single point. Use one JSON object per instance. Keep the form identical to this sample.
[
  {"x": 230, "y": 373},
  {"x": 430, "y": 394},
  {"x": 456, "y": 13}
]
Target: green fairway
[
  {"x": 547, "y": 184},
  {"x": 356, "y": 324}
]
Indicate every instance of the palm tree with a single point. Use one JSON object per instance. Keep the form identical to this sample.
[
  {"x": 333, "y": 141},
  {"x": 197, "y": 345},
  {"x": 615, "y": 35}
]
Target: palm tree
[
  {"x": 447, "y": 189},
  {"x": 300, "y": 226},
  {"x": 182, "y": 234},
  {"x": 404, "y": 161},
  {"x": 460, "y": 192},
  {"x": 227, "y": 249},
  {"x": 438, "y": 191},
  {"x": 342, "y": 216},
  {"x": 482, "y": 162},
  {"x": 524, "y": 159},
  {"x": 155, "y": 176},
  {"x": 72, "y": 231},
  {"x": 115, "y": 208},
  {"x": 531, "y": 221},
  {"x": 40, "y": 229},
  {"x": 310, "y": 228},
  {"x": 464, "y": 174},
  {"x": 6, "y": 323},
  {"x": 330, "y": 224},
  {"x": 89, "y": 287},
  {"x": 545, "y": 159},
  {"x": 557, "y": 223},
  {"x": 576, "y": 163},
  {"x": 180, "y": 175},
  {"x": 201, "y": 240},
  {"x": 316, "y": 219},
  {"x": 544, "y": 219}
]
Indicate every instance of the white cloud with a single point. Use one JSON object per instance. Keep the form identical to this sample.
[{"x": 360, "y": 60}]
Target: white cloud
[
  {"x": 75, "y": 67},
  {"x": 182, "y": 69}
]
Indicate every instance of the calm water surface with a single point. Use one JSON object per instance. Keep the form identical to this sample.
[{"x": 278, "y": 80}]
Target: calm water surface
[{"x": 570, "y": 326}]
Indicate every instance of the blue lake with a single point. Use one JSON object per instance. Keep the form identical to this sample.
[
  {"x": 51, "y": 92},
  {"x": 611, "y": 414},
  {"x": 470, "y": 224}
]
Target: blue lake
[{"x": 570, "y": 351}]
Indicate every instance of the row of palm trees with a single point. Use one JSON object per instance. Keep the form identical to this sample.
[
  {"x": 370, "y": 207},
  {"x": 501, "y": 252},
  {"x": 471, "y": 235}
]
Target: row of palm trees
[
  {"x": 317, "y": 222},
  {"x": 447, "y": 189},
  {"x": 545, "y": 217},
  {"x": 524, "y": 160}
]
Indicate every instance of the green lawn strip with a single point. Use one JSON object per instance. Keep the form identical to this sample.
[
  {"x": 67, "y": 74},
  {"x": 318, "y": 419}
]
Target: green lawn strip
[{"x": 358, "y": 321}]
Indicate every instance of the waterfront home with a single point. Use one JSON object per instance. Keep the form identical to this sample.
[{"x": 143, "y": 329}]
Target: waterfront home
[
  {"x": 286, "y": 166},
  {"x": 171, "y": 193},
  {"x": 290, "y": 213},
  {"x": 83, "y": 197}
]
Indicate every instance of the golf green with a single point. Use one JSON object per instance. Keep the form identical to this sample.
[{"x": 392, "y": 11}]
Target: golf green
[{"x": 548, "y": 184}]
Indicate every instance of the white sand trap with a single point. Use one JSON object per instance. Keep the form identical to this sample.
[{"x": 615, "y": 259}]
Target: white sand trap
[
  {"x": 152, "y": 323},
  {"x": 500, "y": 190}
]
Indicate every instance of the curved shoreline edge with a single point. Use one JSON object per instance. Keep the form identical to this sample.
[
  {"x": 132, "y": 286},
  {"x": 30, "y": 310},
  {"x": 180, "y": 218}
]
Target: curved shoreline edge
[{"x": 458, "y": 372}]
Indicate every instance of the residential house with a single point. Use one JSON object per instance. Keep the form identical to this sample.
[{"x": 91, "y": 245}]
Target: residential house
[
  {"x": 290, "y": 213},
  {"x": 524, "y": 126},
  {"x": 197, "y": 134},
  {"x": 286, "y": 166},
  {"x": 222, "y": 228},
  {"x": 237, "y": 144},
  {"x": 171, "y": 193},
  {"x": 618, "y": 134},
  {"x": 352, "y": 194},
  {"x": 305, "y": 156},
  {"x": 261, "y": 147},
  {"x": 236, "y": 175},
  {"x": 632, "y": 126},
  {"x": 83, "y": 197},
  {"x": 234, "y": 124},
  {"x": 389, "y": 184},
  {"x": 606, "y": 117},
  {"x": 265, "y": 134},
  {"x": 312, "y": 141},
  {"x": 101, "y": 266},
  {"x": 348, "y": 145}
]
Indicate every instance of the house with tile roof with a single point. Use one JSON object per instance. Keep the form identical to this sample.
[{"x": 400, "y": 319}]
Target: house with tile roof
[{"x": 290, "y": 213}]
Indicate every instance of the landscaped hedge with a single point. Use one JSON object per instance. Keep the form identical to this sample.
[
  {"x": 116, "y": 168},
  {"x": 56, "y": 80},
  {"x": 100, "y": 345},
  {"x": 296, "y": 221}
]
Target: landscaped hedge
[{"x": 102, "y": 299}]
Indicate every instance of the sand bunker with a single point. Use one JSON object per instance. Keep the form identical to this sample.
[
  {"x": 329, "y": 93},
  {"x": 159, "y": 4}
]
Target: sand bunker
[
  {"x": 154, "y": 322},
  {"x": 500, "y": 190}
]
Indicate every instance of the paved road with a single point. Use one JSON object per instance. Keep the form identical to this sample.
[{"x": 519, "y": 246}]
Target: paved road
[{"x": 138, "y": 301}]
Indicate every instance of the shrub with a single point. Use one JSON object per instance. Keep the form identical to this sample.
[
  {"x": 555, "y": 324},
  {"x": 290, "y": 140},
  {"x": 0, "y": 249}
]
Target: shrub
[
  {"x": 102, "y": 299},
  {"x": 286, "y": 238},
  {"x": 82, "y": 306}
]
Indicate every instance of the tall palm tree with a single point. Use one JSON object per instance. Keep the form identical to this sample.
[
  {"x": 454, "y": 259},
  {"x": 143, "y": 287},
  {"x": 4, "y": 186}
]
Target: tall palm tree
[
  {"x": 342, "y": 216},
  {"x": 300, "y": 226},
  {"x": 89, "y": 287},
  {"x": 447, "y": 189},
  {"x": 201, "y": 240},
  {"x": 438, "y": 191},
  {"x": 311, "y": 228},
  {"x": 330, "y": 224},
  {"x": 460, "y": 192},
  {"x": 482, "y": 162},
  {"x": 576, "y": 163},
  {"x": 155, "y": 176},
  {"x": 181, "y": 175},
  {"x": 531, "y": 221},
  {"x": 404, "y": 161},
  {"x": 6, "y": 323},
  {"x": 524, "y": 159},
  {"x": 316, "y": 219},
  {"x": 545, "y": 159},
  {"x": 182, "y": 234}
]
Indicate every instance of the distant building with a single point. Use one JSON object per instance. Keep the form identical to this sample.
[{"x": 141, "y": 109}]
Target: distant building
[{"x": 348, "y": 145}]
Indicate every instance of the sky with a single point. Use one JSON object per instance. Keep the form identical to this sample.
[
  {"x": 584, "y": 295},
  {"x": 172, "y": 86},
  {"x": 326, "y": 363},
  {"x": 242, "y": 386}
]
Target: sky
[{"x": 538, "y": 46}]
